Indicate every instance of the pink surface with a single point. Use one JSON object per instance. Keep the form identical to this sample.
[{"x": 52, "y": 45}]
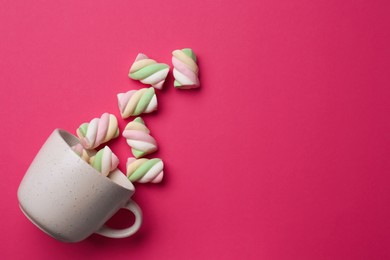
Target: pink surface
[{"x": 282, "y": 154}]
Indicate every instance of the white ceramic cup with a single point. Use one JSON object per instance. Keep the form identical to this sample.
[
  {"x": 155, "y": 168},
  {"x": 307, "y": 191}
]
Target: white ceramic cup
[{"x": 68, "y": 199}]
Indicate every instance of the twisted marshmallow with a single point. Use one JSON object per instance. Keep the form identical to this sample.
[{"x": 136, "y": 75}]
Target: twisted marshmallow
[
  {"x": 136, "y": 102},
  {"x": 144, "y": 170},
  {"x": 80, "y": 151},
  {"x": 148, "y": 71},
  {"x": 98, "y": 131},
  {"x": 139, "y": 139},
  {"x": 104, "y": 161},
  {"x": 185, "y": 69}
]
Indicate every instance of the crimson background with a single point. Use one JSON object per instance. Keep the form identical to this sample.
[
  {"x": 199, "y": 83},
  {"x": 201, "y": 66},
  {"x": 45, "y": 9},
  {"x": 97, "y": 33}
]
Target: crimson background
[{"x": 282, "y": 154}]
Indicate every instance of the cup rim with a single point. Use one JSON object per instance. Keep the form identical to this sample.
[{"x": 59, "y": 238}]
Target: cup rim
[{"x": 64, "y": 135}]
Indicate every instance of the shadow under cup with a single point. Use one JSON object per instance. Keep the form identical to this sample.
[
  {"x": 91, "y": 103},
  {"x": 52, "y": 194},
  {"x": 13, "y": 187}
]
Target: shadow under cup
[{"x": 67, "y": 198}]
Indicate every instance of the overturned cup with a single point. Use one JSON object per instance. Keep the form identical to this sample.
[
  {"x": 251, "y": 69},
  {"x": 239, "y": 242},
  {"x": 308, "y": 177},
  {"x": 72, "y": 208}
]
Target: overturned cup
[{"x": 68, "y": 199}]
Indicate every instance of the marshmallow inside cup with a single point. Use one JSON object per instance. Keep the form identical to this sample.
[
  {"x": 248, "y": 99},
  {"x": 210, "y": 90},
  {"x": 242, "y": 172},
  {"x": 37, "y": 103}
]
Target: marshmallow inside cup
[{"x": 115, "y": 176}]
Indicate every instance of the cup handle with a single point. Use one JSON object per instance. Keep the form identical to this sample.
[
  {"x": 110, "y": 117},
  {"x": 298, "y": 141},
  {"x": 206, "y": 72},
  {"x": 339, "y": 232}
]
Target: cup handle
[{"x": 126, "y": 232}]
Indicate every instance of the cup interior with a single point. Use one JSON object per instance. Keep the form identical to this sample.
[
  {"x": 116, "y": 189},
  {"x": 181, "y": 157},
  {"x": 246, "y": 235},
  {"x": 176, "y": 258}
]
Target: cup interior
[{"x": 117, "y": 177}]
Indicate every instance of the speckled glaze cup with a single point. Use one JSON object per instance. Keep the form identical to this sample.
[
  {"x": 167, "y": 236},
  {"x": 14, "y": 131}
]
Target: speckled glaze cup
[{"x": 68, "y": 199}]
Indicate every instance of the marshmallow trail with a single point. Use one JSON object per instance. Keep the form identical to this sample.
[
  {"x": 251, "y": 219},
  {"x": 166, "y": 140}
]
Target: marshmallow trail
[
  {"x": 185, "y": 69},
  {"x": 139, "y": 139},
  {"x": 145, "y": 170},
  {"x": 148, "y": 71},
  {"x": 104, "y": 161},
  {"x": 136, "y": 102}
]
